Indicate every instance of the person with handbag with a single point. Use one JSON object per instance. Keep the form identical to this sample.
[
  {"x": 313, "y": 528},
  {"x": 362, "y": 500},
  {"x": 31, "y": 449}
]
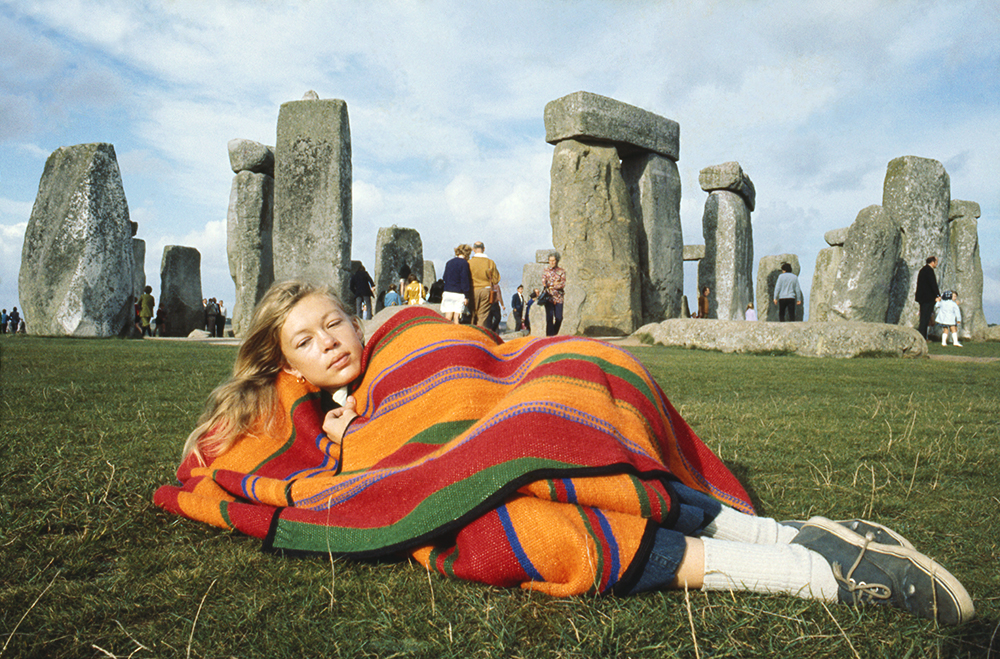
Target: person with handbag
[
  {"x": 554, "y": 285},
  {"x": 484, "y": 277}
]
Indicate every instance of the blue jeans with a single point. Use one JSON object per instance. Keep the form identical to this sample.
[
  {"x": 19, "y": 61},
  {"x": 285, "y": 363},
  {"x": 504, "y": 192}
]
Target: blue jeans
[{"x": 697, "y": 510}]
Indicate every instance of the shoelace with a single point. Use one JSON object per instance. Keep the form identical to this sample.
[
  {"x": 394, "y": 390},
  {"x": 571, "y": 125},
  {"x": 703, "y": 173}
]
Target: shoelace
[{"x": 859, "y": 590}]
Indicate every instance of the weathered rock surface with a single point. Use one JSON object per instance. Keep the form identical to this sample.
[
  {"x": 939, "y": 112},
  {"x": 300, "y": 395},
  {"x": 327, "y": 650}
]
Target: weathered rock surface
[
  {"x": 250, "y": 156},
  {"x": 727, "y": 268},
  {"x": 694, "y": 252},
  {"x": 594, "y": 229},
  {"x": 398, "y": 253},
  {"x": 592, "y": 118},
  {"x": 728, "y": 176},
  {"x": 655, "y": 187},
  {"x": 768, "y": 269},
  {"x": 180, "y": 290},
  {"x": 965, "y": 273},
  {"x": 249, "y": 225},
  {"x": 312, "y": 193},
  {"x": 870, "y": 258},
  {"x": 846, "y": 339},
  {"x": 139, "y": 274},
  {"x": 429, "y": 274},
  {"x": 836, "y": 237},
  {"x": 916, "y": 195},
  {"x": 991, "y": 333},
  {"x": 824, "y": 277},
  {"x": 78, "y": 258}
]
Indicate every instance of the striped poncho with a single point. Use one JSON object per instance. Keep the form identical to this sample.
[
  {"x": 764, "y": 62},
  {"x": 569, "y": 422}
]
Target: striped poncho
[{"x": 544, "y": 463}]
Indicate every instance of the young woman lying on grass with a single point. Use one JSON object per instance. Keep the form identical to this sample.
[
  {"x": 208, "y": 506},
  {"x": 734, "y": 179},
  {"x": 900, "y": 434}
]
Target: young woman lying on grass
[{"x": 554, "y": 464}]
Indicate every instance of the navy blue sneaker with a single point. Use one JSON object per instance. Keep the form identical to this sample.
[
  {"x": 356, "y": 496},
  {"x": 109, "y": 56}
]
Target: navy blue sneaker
[
  {"x": 870, "y": 572},
  {"x": 871, "y": 530}
]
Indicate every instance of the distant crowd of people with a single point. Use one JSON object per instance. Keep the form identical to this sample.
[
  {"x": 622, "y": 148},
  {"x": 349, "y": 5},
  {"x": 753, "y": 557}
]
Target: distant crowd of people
[{"x": 468, "y": 292}]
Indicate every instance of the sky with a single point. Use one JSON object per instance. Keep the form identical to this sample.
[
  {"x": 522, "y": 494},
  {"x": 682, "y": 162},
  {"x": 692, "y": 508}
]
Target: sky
[{"x": 446, "y": 101}]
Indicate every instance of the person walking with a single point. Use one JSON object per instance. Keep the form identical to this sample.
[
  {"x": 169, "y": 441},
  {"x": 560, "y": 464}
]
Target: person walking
[
  {"x": 457, "y": 284},
  {"x": 948, "y": 315},
  {"x": 554, "y": 281},
  {"x": 787, "y": 293},
  {"x": 927, "y": 294},
  {"x": 517, "y": 306},
  {"x": 484, "y": 277},
  {"x": 364, "y": 290},
  {"x": 703, "y": 303},
  {"x": 146, "y": 305}
]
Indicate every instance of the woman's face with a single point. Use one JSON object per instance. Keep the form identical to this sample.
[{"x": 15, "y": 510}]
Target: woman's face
[
  {"x": 321, "y": 344},
  {"x": 553, "y": 261}
]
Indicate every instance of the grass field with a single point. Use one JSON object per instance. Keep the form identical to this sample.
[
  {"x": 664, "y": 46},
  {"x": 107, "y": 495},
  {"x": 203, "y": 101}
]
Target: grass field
[{"x": 89, "y": 568}]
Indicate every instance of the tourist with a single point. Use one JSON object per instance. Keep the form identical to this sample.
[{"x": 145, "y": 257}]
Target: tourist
[
  {"x": 703, "y": 303},
  {"x": 927, "y": 294},
  {"x": 425, "y": 453},
  {"x": 484, "y": 276},
  {"x": 14, "y": 321},
  {"x": 948, "y": 315},
  {"x": 435, "y": 292},
  {"x": 364, "y": 290},
  {"x": 787, "y": 293},
  {"x": 161, "y": 321},
  {"x": 457, "y": 284},
  {"x": 3, "y": 322},
  {"x": 496, "y": 309},
  {"x": 751, "y": 313},
  {"x": 211, "y": 313},
  {"x": 392, "y": 298},
  {"x": 414, "y": 292},
  {"x": 146, "y": 304},
  {"x": 554, "y": 282},
  {"x": 220, "y": 321},
  {"x": 527, "y": 309},
  {"x": 517, "y": 306}
]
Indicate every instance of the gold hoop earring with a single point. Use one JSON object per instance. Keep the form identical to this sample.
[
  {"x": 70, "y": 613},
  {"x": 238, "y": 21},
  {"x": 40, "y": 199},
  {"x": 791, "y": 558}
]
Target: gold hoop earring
[{"x": 301, "y": 379}]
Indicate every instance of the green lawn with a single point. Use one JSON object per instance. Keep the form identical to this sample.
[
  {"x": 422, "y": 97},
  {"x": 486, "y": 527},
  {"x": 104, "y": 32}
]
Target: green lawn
[{"x": 89, "y": 568}]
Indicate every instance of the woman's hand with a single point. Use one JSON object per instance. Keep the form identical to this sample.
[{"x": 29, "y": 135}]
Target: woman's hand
[{"x": 336, "y": 421}]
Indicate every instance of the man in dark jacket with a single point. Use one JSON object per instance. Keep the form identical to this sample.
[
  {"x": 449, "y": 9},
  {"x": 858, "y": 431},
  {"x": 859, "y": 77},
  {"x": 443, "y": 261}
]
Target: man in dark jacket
[
  {"x": 927, "y": 294},
  {"x": 363, "y": 288}
]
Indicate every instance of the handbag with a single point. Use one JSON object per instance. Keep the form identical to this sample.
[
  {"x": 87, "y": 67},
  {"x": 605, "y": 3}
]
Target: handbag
[{"x": 544, "y": 297}]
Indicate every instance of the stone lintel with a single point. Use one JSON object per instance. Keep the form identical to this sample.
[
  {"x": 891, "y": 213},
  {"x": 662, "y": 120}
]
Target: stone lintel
[
  {"x": 592, "y": 118},
  {"x": 959, "y": 208},
  {"x": 728, "y": 176},
  {"x": 836, "y": 237},
  {"x": 694, "y": 252}
]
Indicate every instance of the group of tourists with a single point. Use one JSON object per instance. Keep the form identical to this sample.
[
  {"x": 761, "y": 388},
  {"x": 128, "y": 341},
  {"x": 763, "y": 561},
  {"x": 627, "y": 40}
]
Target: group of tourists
[
  {"x": 468, "y": 292},
  {"x": 11, "y": 323}
]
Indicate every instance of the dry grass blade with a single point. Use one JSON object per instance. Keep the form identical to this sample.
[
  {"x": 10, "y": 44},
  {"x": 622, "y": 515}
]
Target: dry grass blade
[
  {"x": 194, "y": 623},
  {"x": 13, "y": 631},
  {"x": 842, "y": 632},
  {"x": 694, "y": 637}
]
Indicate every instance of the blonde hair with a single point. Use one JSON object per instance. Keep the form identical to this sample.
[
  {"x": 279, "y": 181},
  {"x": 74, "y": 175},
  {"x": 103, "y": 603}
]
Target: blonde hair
[
  {"x": 464, "y": 251},
  {"x": 250, "y": 394}
]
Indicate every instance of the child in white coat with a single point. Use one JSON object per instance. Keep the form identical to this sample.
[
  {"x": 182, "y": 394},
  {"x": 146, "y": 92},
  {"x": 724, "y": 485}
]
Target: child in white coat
[{"x": 948, "y": 315}]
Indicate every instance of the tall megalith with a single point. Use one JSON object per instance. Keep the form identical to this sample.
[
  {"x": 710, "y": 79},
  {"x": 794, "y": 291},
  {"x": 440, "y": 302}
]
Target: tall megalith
[
  {"x": 78, "y": 259},
  {"x": 594, "y": 230},
  {"x": 614, "y": 205},
  {"x": 965, "y": 273},
  {"x": 312, "y": 193},
  {"x": 861, "y": 290},
  {"x": 727, "y": 268},
  {"x": 655, "y": 187},
  {"x": 916, "y": 195},
  {"x": 249, "y": 225},
  {"x": 180, "y": 290}
]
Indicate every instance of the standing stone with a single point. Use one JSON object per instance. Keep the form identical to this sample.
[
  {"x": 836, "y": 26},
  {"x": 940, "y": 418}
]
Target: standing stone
[
  {"x": 312, "y": 194},
  {"x": 429, "y": 275},
  {"x": 965, "y": 273},
  {"x": 78, "y": 259},
  {"x": 655, "y": 187},
  {"x": 768, "y": 270},
  {"x": 824, "y": 277},
  {"x": 180, "y": 290},
  {"x": 248, "y": 243},
  {"x": 139, "y": 273},
  {"x": 916, "y": 195},
  {"x": 594, "y": 229},
  {"x": 398, "y": 253},
  {"x": 836, "y": 237},
  {"x": 727, "y": 268},
  {"x": 870, "y": 257}
]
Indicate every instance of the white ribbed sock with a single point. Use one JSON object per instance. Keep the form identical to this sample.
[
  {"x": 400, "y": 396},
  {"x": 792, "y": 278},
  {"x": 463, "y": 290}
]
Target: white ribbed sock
[
  {"x": 773, "y": 568},
  {"x": 730, "y": 524}
]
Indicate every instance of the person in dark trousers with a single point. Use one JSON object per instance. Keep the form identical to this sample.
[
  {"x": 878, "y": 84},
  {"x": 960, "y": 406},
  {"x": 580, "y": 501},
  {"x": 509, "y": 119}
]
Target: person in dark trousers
[
  {"x": 517, "y": 306},
  {"x": 364, "y": 289},
  {"x": 787, "y": 293},
  {"x": 927, "y": 294}
]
